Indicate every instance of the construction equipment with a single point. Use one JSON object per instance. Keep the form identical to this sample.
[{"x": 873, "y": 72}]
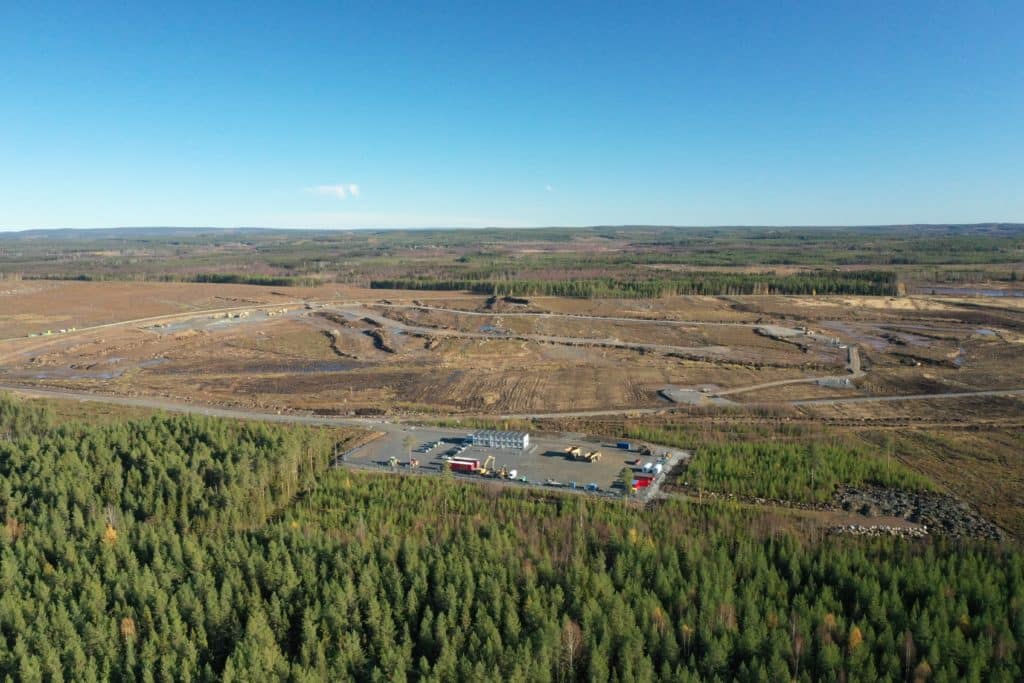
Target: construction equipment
[
  {"x": 646, "y": 450},
  {"x": 589, "y": 456},
  {"x": 574, "y": 452},
  {"x": 413, "y": 463},
  {"x": 486, "y": 467}
]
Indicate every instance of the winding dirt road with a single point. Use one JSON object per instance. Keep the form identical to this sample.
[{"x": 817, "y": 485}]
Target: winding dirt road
[
  {"x": 357, "y": 312},
  {"x": 388, "y": 425}
]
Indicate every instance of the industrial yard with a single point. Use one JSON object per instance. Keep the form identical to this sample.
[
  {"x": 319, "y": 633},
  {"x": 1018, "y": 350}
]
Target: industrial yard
[{"x": 547, "y": 461}]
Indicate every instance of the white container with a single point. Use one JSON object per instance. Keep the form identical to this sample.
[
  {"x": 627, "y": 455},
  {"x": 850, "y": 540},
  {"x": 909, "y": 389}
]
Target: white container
[
  {"x": 658, "y": 468},
  {"x": 648, "y": 466}
]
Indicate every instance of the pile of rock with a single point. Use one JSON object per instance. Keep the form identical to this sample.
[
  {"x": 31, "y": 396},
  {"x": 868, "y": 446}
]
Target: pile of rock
[
  {"x": 941, "y": 513},
  {"x": 880, "y": 530}
]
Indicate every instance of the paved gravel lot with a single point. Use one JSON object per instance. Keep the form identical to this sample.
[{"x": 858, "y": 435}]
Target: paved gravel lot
[{"x": 544, "y": 460}]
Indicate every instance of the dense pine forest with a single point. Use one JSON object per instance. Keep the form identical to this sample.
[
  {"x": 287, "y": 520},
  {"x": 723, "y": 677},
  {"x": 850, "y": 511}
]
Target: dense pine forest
[
  {"x": 756, "y": 463},
  {"x": 187, "y": 548},
  {"x": 866, "y": 283}
]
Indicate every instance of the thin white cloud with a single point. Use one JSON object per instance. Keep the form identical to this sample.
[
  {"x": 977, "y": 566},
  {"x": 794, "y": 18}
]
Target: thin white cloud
[
  {"x": 339, "y": 191},
  {"x": 549, "y": 188},
  {"x": 363, "y": 219}
]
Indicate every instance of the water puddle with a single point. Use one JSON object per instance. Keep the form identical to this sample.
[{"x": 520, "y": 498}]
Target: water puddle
[
  {"x": 875, "y": 342},
  {"x": 272, "y": 368},
  {"x": 968, "y": 291}
]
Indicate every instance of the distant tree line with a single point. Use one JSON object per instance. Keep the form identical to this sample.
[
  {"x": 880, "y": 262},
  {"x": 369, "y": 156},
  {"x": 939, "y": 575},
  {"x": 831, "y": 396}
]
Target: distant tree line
[{"x": 866, "y": 283}]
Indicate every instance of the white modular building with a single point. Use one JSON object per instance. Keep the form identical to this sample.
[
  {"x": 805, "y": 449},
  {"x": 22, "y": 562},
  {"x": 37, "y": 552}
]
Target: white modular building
[{"x": 489, "y": 438}]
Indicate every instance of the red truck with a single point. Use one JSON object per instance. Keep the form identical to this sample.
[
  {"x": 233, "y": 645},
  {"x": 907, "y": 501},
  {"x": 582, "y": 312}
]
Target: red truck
[
  {"x": 465, "y": 465},
  {"x": 642, "y": 481}
]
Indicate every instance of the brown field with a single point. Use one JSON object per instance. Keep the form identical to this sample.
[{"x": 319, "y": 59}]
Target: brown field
[{"x": 551, "y": 355}]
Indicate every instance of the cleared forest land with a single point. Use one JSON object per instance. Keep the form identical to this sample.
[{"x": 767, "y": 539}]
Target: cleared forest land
[{"x": 347, "y": 349}]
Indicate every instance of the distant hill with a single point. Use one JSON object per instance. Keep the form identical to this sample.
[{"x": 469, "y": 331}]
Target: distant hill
[{"x": 173, "y": 232}]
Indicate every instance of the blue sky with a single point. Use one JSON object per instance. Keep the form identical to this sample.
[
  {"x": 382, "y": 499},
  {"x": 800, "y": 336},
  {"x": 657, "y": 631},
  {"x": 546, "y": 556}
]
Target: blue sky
[{"x": 450, "y": 114}]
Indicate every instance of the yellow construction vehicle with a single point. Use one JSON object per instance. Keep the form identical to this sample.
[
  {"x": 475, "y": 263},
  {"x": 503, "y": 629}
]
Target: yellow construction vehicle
[
  {"x": 485, "y": 468},
  {"x": 574, "y": 452},
  {"x": 593, "y": 456}
]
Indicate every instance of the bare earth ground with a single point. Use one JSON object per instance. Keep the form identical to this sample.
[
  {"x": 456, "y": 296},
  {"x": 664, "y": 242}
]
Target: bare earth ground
[{"x": 347, "y": 349}]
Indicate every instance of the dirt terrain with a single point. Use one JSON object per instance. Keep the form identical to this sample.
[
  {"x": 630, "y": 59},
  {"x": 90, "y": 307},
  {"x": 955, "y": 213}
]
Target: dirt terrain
[{"x": 345, "y": 350}]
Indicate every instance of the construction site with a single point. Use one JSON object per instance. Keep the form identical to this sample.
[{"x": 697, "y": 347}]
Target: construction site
[
  {"x": 573, "y": 462},
  {"x": 341, "y": 352},
  {"x": 592, "y": 369}
]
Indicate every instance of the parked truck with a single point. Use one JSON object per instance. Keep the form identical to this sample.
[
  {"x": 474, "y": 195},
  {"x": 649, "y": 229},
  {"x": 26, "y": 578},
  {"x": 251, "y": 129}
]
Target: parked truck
[
  {"x": 642, "y": 481},
  {"x": 464, "y": 465}
]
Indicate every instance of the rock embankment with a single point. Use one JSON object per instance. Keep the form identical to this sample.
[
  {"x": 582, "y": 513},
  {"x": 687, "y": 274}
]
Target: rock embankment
[
  {"x": 941, "y": 513},
  {"x": 879, "y": 530}
]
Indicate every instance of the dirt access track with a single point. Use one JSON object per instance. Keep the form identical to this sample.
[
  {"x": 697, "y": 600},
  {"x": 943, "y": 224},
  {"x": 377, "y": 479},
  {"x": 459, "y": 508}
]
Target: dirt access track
[{"x": 343, "y": 350}]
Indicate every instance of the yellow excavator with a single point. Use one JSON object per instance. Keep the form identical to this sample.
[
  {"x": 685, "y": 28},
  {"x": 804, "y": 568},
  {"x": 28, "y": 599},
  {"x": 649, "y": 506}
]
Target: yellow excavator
[{"x": 485, "y": 468}]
